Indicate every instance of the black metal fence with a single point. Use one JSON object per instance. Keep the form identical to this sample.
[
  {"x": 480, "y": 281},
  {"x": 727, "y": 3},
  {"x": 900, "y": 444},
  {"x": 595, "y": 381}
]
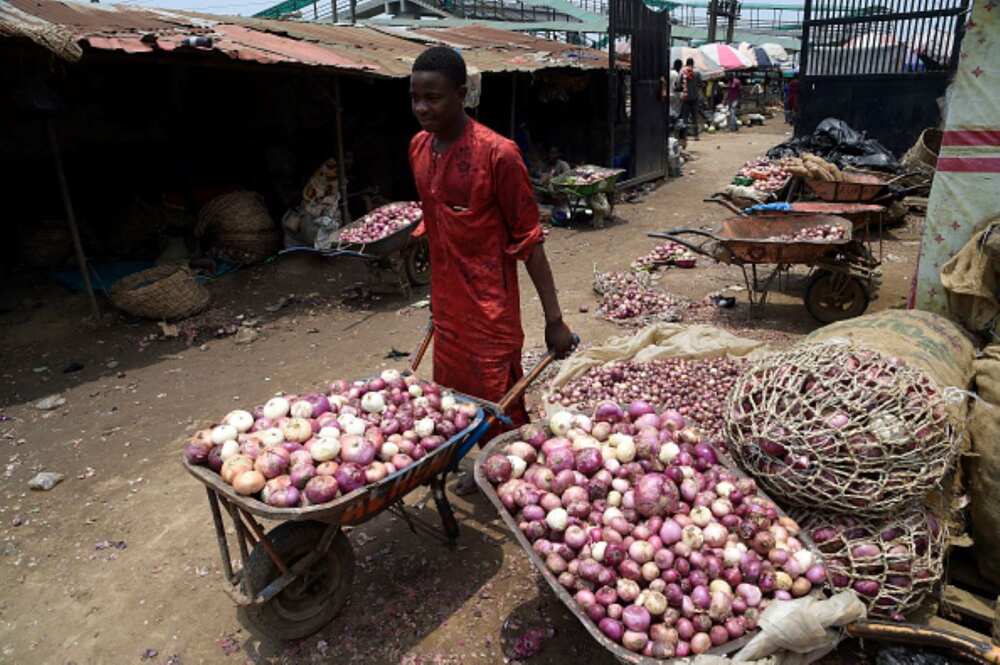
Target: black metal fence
[
  {"x": 862, "y": 38},
  {"x": 881, "y": 67}
]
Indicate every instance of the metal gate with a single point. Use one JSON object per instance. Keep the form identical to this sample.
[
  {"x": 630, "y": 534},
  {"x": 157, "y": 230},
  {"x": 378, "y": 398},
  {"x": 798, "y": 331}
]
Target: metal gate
[
  {"x": 879, "y": 66},
  {"x": 649, "y": 32}
]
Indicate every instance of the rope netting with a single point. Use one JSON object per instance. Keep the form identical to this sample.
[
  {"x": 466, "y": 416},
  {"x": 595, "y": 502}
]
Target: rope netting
[
  {"x": 839, "y": 428},
  {"x": 892, "y": 564}
]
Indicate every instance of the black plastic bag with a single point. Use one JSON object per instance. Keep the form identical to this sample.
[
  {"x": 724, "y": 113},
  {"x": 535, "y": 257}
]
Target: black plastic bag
[{"x": 836, "y": 141}]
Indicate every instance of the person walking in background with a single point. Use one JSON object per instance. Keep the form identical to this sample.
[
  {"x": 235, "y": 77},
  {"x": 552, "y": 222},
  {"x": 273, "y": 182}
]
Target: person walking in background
[
  {"x": 676, "y": 87},
  {"x": 793, "y": 100},
  {"x": 733, "y": 91},
  {"x": 691, "y": 96}
]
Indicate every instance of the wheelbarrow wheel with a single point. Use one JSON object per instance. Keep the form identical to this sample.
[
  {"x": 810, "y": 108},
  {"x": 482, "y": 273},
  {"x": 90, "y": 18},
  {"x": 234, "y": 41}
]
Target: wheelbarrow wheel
[
  {"x": 308, "y": 603},
  {"x": 418, "y": 262},
  {"x": 832, "y": 296}
]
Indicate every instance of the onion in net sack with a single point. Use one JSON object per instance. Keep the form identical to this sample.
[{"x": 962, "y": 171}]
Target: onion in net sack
[
  {"x": 891, "y": 564},
  {"x": 839, "y": 428}
]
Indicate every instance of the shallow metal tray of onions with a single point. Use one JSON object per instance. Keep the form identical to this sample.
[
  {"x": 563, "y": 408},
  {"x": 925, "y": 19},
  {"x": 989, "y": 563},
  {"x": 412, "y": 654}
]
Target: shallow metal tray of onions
[
  {"x": 617, "y": 650},
  {"x": 365, "y": 502}
]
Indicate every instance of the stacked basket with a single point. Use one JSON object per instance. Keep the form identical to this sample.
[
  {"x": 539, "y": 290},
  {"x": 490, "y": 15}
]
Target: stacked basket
[
  {"x": 167, "y": 292},
  {"x": 238, "y": 228}
]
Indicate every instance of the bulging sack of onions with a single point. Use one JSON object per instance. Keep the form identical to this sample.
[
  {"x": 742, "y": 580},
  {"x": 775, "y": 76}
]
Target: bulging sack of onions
[
  {"x": 841, "y": 428},
  {"x": 665, "y": 550},
  {"x": 892, "y": 564},
  {"x": 296, "y": 451},
  {"x": 984, "y": 467}
]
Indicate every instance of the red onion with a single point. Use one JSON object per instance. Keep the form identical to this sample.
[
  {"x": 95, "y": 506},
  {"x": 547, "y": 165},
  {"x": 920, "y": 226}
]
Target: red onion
[{"x": 612, "y": 629}]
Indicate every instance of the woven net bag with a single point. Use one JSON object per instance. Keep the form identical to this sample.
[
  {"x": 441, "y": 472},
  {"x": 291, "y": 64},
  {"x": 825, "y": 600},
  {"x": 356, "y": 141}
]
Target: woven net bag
[
  {"x": 892, "y": 564},
  {"x": 840, "y": 428},
  {"x": 166, "y": 292},
  {"x": 233, "y": 212}
]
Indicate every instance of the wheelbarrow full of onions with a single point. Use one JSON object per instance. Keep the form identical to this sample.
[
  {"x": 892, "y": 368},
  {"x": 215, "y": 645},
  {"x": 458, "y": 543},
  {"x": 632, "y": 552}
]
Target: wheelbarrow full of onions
[
  {"x": 318, "y": 463},
  {"x": 390, "y": 241},
  {"x": 656, "y": 542},
  {"x": 844, "y": 274}
]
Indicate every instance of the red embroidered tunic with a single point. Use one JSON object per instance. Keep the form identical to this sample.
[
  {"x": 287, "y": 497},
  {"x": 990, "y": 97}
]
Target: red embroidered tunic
[{"x": 480, "y": 217}]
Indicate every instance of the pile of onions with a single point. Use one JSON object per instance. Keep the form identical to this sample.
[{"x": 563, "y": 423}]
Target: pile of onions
[
  {"x": 664, "y": 549},
  {"x": 628, "y": 297},
  {"x": 767, "y": 175},
  {"x": 821, "y": 232},
  {"x": 892, "y": 563},
  {"x": 696, "y": 388},
  {"x": 302, "y": 450},
  {"x": 665, "y": 254},
  {"x": 382, "y": 222}
]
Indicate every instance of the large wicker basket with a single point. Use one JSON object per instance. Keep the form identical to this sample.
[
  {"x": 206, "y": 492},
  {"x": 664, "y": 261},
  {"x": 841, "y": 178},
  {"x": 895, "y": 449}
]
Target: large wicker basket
[
  {"x": 167, "y": 292},
  {"x": 242, "y": 212},
  {"x": 246, "y": 247}
]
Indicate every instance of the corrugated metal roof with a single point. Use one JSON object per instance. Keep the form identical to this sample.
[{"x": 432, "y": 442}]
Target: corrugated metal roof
[{"x": 70, "y": 28}]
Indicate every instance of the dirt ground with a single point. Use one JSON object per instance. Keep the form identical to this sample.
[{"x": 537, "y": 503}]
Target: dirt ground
[{"x": 118, "y": 563}]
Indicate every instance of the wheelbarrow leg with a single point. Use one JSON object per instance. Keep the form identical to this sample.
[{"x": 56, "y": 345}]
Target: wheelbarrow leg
[{"x": 448, "y": 520}]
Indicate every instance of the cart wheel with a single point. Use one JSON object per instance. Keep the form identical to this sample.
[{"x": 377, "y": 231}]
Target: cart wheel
[
  {"x": 418, "y": 263},
  {"x": 308, "y": 603},
  {"x": 834, "y": 296}
]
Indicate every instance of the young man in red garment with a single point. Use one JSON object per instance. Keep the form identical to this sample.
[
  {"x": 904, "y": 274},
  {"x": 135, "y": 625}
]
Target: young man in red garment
[{"x": 481, "y": 218}]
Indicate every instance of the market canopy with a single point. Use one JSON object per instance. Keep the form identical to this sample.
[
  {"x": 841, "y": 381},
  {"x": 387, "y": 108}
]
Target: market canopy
[
  {"x": 756, "y": 55},
  {"x": 728, "y": 57},
  {"x": 708, "y": 68},
  {"x": 776, "y": 52}
]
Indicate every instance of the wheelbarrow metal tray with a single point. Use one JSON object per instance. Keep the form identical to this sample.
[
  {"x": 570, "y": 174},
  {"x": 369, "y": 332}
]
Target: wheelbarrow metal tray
[
  {"x": 567, "y": 182},
  {"x": 363, "y": 503},
  {"x": 753, "y": 239},
  {"x": 617, "y": 650},
  {"x": 860, "y": 214},
  {"x": 855, "y": 188},
  {"x": 380, "y": 248}
]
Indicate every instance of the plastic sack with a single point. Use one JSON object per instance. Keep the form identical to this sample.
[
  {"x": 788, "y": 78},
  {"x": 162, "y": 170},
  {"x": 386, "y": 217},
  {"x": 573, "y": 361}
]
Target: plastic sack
[
  {"x": 836, "y": 141},
  {"x": 984, "y": 428},
  {"x": 801, "y": 631}
]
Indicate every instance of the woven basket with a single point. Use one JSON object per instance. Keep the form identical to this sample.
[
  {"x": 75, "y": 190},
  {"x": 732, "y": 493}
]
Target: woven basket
[
  {"x": 246, "y": 247},
  {"x": 167, "y": 292},
  {"x": 924, "y": 153},
  {"x": 48, "y": 245},
  {"x": 234, "y": 212}
]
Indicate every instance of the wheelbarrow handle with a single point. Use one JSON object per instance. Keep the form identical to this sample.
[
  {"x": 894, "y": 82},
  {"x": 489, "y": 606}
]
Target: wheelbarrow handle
[
  {"x": 422, "y": 349},
  {"x": 901, "y": 176},
  {"x": 898, "y": 194},
  {"x": 715, "y": 198},
  {"x": 980, "y": 651},
  {"x": 674, "y": 236},
  {"x": 518, "y": 389}
]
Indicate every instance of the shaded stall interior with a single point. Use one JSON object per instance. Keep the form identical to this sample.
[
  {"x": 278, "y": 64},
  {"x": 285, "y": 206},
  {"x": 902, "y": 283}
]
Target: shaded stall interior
[{"x": 148, "y": 139}]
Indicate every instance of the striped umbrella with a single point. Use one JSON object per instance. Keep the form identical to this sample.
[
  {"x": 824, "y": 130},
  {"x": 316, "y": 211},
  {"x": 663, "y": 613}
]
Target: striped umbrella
[
  {"x": 728, "y": 57},
  {"x": 776, "y": 52},
  {"x": 708, "y": 68},
  {"x": 755, "y": 55}
]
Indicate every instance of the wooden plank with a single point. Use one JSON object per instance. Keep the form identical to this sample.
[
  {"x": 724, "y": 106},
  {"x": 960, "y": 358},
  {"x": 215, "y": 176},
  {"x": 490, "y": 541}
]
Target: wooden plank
[
  {"x": 969, "y": 604},
  {"x": 944, "y": 624}
]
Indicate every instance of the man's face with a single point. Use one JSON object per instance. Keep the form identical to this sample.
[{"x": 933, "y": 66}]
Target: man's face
[{"x": 437, "y": 103}]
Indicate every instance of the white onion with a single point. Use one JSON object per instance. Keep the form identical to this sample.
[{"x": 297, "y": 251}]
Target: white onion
[
  {"x": 222, "y": 433},
  {"x": 669, "y": 451},
  {"x": 804, "y": 558},
  {"x": 373, "y": 402},
  {"x": 561, "y": 422},
  {"x": 390, "y": 375},
  {"x": 325, "y": 449},
  {"x": 298, "y": 430},
  {"x": 272, "y": 436},
  {"x": 241, "y": 420},
  {"x": 415, "y": 390},
  {"x": 329, "y": 432},
  {"x": 301, "y": 409},
  {"x": 424, "y": 427},
  {"x": 557, "y": 519},
  {"x": 447, "y": 402},
  {"x": 387, "y": 451},
  {"x": 610, "y": 514},
  {"x": 614, "y": 498},
  {"x": 229, "y": 449},
  {"x": 352, "y": 425},
  {"x": 517, "y": 466},
  {"x": 597, "y": 550},
  {"x": 276, "y": 407}
]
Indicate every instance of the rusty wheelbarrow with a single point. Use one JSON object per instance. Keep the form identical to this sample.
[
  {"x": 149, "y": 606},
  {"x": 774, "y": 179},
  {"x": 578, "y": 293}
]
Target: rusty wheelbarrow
[{"x": 844, "y": 276}]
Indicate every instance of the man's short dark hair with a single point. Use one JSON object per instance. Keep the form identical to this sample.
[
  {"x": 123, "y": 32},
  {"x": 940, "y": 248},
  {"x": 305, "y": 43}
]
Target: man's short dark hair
[
  {"x": 690, "y": 62},
  {"x": 678, "y": 64},
  {"x": 443, "y": 60}
]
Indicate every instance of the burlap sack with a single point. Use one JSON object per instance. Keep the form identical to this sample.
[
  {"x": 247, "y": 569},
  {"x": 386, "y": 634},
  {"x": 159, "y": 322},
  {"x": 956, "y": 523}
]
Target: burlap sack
[
  {"x": 984, "y": 466},
  {"x": 662, "y": 340},
  {"x": 971, "y": 279}
]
